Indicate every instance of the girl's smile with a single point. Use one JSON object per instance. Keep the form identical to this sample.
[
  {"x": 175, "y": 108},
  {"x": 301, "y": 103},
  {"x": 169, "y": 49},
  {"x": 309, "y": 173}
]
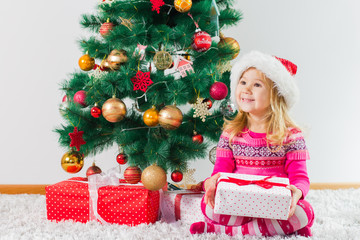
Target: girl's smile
[{"x": 247, "y": 100}]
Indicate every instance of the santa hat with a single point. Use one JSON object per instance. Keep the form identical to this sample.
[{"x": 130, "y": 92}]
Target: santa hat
[{"x": 279, "y": 70}]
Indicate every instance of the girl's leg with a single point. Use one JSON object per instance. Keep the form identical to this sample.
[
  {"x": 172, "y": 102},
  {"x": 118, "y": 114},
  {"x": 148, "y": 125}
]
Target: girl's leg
[
  {"x": 222, "y": 219},
  {"x": 216, "y": 222},
  {"x": 301, "y": 220}
]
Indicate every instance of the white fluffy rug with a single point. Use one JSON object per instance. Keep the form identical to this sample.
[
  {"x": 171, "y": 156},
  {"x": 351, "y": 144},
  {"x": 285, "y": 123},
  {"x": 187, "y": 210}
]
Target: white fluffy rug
[{"x": 24, "y": 217}]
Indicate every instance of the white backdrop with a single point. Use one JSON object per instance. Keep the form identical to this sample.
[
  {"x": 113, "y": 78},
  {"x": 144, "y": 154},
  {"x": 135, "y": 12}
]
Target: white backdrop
[{"x": 39, "y": 49}]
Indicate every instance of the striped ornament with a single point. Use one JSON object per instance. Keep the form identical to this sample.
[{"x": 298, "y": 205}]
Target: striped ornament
[{"x": 132, "y": 175}]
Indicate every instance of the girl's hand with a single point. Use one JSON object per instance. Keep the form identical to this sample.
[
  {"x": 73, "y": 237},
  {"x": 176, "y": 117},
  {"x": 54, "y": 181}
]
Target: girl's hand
[
  {"x": 210, "y": 187},
  {"x": 296, "y": 195}
]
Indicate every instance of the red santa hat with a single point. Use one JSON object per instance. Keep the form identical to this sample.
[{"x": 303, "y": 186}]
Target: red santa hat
[{"x": 279, "y": 70}]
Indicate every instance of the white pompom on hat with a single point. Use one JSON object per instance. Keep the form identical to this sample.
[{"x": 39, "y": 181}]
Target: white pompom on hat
[{"x": 279, "y": 70}]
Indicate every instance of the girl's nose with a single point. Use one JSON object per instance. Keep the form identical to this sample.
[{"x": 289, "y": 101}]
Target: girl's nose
[{"x": 246, "y": 89}]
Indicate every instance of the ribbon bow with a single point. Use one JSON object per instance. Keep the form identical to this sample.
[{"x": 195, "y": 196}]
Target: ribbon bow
[
  {"x": 262, "y": 182},
  {"x": 111, "y": 177}
]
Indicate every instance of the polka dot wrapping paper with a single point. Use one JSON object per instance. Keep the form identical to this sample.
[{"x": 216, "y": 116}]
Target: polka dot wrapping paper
[
  {"x": 252, "y": 200},
  {"x": 181, "y": 205},
  {"x": 124, "y": 204}
]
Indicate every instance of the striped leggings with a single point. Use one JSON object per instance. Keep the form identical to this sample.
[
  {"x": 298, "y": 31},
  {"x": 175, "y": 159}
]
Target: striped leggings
[{"x": 232, "y": 225}]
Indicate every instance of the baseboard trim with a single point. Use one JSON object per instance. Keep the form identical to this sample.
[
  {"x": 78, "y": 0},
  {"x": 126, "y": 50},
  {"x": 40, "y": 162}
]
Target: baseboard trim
[
  {"x": 333, "y": 186},
  {"x": 22, "y": 189},
  {"x": 40, "y": 189}
]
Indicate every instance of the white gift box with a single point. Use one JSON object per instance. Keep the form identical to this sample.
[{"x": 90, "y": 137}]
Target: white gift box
[
  {"x": 181, "y": 205},
  {"x": 252, "y": 200}
]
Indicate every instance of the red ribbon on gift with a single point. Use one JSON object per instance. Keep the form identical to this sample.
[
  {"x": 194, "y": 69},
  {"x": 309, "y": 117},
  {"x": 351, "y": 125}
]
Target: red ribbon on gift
[
  {"x": 262, "y": 182},
  {"x": 178, "y": 201}
]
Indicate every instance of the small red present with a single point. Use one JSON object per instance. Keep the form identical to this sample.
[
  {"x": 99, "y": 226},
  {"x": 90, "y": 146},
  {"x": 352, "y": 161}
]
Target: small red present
[
  {"x": 184, "y": 205},
  {"x": 121, "y": 204}
]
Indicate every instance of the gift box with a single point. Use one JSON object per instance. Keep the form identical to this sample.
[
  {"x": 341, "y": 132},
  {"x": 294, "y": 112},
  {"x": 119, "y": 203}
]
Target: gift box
[
  {"x": 253, "y": 196},
  {"x": 181, "y": 205},
  {"x": 122, "y": 204}
]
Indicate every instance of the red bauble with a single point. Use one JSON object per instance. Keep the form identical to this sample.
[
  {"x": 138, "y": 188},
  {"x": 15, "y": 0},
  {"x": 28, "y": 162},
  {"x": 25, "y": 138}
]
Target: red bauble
[
  {"x": 106, "y": 28},
  {"x": 80, "y": 97},
  {"x": 95, "y": 112},
  {"x": 201, "y": 41},
  {"x": 93, "y": 170},
  {"x": 198, "y": 138},
  {"x": 208, "y": 101},
  {"x": 121, "y": 158},
  {"x": 132, "y": 175},
  {"x": 176, "y": 176},
  {"x": 218, "y": 91}
]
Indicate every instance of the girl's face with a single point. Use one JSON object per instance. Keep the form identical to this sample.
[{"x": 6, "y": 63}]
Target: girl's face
[{"x": 252, "y": 93}]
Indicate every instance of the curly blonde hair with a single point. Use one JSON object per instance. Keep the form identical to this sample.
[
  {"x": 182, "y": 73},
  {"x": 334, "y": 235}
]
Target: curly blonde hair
[{"x": 277, "y": 118}]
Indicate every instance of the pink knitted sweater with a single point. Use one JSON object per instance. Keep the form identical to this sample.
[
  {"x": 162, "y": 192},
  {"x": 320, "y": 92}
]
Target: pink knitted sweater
[{"x": 250, "y": 155}]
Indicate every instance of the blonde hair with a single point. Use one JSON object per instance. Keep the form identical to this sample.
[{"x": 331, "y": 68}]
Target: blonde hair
[{"x": 277, "y": 119}]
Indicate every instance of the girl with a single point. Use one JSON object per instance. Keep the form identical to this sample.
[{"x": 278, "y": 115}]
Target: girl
[{"x": 261, "y": 140}]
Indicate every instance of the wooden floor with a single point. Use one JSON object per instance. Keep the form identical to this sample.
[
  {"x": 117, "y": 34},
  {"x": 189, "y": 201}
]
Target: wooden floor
[{"x": 40, "y": 189}]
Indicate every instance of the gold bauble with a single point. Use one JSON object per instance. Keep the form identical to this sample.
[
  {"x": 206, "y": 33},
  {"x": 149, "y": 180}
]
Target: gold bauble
[
  {"x": 117, "y": 58},
  {"x": 86, "y": 63},
  {"x": 182, "y": 5},
  {"x": 162, "y": 60},
  {"x": 153, "y": 178},
  {"x": 170, "y": 117},
  {"x": 151, "y": 117},
  {"x": 114, "y": 110},
  {"x": 72, "y": 162},
  {"x": 232, "y": 43}
]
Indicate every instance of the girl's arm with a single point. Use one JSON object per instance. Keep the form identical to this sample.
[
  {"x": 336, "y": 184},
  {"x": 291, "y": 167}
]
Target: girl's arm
[
  {"x": 295, "y": 165},
  {"x": 225, "y": 161},
  {"x": 297, "y": 173}
]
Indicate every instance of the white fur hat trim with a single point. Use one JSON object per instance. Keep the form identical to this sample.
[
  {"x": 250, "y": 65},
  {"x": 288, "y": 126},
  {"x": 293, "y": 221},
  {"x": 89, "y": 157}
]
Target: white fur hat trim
[{"x": 272, "y": 68}]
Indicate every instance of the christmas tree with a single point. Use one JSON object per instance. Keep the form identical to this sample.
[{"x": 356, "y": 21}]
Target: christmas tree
[{"x": 153, "y": 80}]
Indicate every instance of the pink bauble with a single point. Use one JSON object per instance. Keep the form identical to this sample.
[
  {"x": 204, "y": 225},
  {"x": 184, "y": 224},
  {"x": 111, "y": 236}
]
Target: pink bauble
[
  {"x": 106, "y": 28},
  {"x": 201, "y": 41},
  {"x": 80, "y": 97},
  {"x": 218, "y": 91}
]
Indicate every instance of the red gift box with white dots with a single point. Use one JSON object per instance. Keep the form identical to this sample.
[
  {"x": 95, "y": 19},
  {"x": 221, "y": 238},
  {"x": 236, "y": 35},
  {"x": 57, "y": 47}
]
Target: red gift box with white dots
[
  {"x": 252, "y": 200},
  {"x": 123, "y": 204}
]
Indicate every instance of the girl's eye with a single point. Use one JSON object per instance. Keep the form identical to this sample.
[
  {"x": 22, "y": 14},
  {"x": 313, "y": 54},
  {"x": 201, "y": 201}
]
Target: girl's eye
[
  {"x": 257, "y": 85},
  {"x": 242, "y": 82}
]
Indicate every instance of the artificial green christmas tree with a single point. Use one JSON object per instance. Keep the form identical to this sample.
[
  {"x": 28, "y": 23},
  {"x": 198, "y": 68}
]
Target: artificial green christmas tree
[{"x": 147, "y": 80}]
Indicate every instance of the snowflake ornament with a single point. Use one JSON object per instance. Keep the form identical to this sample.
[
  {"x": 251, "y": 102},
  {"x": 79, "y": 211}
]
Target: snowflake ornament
[
  {"x": 156, "y": 4},
  {"x": 201, "y": 109},
  {"x": 77, "y": 138},
  {"x": 141, "y": 81},
  {"x": 97, "y": 73}
]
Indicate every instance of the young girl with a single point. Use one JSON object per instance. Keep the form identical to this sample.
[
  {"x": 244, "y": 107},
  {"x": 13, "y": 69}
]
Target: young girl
[{"x": 261, "y": 140}]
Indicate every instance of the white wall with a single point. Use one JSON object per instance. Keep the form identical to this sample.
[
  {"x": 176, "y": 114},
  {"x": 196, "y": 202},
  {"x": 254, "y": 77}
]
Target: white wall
[{"x": 38, "y": 50}]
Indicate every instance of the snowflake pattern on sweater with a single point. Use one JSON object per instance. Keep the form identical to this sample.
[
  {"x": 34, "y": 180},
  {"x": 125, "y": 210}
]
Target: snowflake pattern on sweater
[{"x": 262, "y": 151}]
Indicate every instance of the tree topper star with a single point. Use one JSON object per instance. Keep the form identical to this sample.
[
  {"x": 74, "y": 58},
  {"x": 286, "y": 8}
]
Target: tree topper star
[{"x": 77, "y": 139}]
